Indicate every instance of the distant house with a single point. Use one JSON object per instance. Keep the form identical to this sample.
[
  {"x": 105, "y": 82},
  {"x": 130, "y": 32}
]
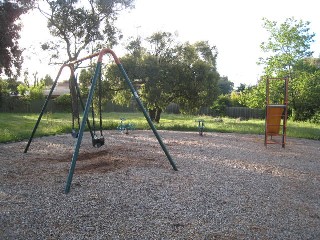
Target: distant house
[{"x": 60, "y": 89}]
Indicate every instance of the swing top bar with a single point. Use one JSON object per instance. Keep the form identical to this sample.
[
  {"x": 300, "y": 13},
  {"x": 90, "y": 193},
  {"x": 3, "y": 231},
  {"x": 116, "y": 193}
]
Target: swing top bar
[{"x": 100, "y": 54}]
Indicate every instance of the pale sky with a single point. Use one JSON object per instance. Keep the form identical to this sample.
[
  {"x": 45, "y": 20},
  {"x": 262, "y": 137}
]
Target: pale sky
[{"x": 233, "y": 26}]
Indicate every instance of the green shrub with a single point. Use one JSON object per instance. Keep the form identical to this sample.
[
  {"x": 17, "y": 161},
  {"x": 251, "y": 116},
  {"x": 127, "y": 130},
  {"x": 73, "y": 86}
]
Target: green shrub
[
  {"x": 63, "y": 103},
  {"x": 315, "y": 118}
]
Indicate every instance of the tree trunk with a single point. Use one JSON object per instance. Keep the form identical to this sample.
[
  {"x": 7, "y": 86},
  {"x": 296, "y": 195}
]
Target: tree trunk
[
  {"x": 157, "y": 116},
  {"x": 152, "y": 114}
]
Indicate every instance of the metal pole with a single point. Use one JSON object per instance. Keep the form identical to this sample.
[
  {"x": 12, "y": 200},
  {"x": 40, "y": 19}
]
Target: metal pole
[
  {"x": 82, "y": 127},
  {"x": 43, "y": 109},
  {"x": 135, "y": 94},
  {"x": 74, "y": 78}
]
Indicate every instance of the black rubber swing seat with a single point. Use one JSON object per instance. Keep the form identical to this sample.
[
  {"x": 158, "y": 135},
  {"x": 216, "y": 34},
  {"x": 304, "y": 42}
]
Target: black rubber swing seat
[
  {"x": 98, "y": 141},
  {"x": 74, "y": 133}
]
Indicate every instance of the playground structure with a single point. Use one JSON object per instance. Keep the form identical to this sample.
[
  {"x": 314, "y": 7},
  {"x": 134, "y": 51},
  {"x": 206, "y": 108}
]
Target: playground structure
[
  {"x": 125, "y": 127},
  {"x": 200, "y": 126},
  {"x": 276, "y": 111},
  {"x": 98, "y": 141}
]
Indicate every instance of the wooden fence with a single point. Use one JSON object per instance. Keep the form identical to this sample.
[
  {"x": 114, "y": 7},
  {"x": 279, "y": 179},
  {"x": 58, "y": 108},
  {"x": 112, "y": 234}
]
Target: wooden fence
[{"x": 14, "y": 104}]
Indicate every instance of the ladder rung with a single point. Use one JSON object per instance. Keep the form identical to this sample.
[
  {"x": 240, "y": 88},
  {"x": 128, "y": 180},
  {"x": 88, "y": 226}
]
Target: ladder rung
[{"x": 276, "y": 105}]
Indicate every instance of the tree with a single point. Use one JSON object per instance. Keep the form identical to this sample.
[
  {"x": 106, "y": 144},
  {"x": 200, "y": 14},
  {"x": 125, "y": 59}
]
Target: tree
[
  {"x": 85, "y": 80},
  {"x": 47, "y": 80},
  {"x": 241, "y": 87},
  {"x": 288, "y": 43},
  {"x": 225, "y": 85},
  {"x": 166, "y": 72},
  {"x": 82, "y": 26},
  {"x": 306, "y": 89},
  {"x": 10, "y": 52},
  {"x": 196, "y": 77},
  {"x": 220, "y": 104}
]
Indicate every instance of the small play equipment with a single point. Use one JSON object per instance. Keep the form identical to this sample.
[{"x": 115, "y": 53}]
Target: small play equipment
[
  {"x": 276, "y": 110},
  {"x": 125, "y": 127},
  {"x": 200, "y": 126},
  {"x": 97, "y": 140}
]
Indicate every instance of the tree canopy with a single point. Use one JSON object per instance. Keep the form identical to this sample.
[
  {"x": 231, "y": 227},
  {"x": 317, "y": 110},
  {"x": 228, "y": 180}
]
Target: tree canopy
[
  {"x": 10, "y": 52},
  {"x": 288, "y": 42},
  {"x": 165, "y": 71},
  {"x": 82, "y": 25},
  {"x": 288, "y": 54}
]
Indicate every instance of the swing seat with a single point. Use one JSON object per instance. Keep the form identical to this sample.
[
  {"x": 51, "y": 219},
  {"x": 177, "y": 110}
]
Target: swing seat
[
  {"x": 74, "y": 133},
  {"x": 98, "y": 141}
]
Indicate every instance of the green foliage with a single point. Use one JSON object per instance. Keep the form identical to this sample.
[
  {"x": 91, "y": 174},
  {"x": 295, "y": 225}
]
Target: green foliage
[
  {"x": 22, "y": 89},
  {"x": 305, "y": 90},
  {"x": 219, "y": 106},
  {"x": 287, "y": 53},
  {"x": 254, "y": 96},
  {"x": 36, "y": 92},
  {"x": 10, "y": 52},
  {"x": 235, "y": 98},
  {"x": 288, "y": 43},
  {"x": 3, "y": 86},
  {"x": 46, "y": 81},
  {"x": 64, "y": 102},
  {"x": 85, "y": 80},
  {"x": 182, "y": 73},
  {"x": 315, "y": 118},
  {"x": 225, "y": 85},
  {"x": 82, "y": 26}
]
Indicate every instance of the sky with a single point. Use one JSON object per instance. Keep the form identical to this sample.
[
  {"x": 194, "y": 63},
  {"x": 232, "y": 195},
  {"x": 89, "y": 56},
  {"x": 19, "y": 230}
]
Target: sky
[{"x": 233, "y": 26}]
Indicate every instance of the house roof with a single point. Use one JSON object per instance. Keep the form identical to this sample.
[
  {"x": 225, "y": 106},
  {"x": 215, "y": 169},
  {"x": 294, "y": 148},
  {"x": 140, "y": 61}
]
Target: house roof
[{"x": 60, "y": 89}]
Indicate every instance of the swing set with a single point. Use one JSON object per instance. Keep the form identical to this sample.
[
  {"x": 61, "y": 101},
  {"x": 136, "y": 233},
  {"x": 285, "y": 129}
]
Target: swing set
[{"x": 97, "y": 140}]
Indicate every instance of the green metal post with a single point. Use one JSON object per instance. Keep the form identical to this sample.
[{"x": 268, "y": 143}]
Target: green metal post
[
  {"x": 82, "y": 127},
  {"x": 82, "y": 104},
  {"x": 135, "y": 94},
  {"x": 43, "y": 109}
]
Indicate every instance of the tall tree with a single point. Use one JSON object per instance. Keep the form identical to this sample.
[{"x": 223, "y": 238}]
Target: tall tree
[
  {"x": 166, "y": 72},
  {"x": 225, "y": 85},
  {"x": 306, "y": 89},
  {"x": 10, "y": 52},
  {"x": 82, "y": 25},
  {"x": 288, "y": 43},
  {"x": 196, "y": 78}
]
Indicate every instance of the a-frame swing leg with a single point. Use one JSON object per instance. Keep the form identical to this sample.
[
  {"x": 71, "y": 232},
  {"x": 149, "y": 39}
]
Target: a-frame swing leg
[
  {"x": 43, "y": 109},
  {"x": 85, "y": 116},
  {"x": 82, "y": 127},
  {"x": 135, "y": 94}
]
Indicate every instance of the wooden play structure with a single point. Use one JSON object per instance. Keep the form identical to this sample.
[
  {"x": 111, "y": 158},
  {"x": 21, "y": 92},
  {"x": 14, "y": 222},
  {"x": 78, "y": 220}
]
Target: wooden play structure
[{"x": 276, "y": 111}]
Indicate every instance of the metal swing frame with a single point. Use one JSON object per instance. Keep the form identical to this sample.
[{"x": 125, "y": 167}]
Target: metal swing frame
[{"x": 87, "y": 108}]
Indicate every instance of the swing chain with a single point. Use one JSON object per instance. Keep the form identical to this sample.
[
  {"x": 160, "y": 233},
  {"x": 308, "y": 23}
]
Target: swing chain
[
  {"x": 98, "y": 141},
  {"x": 74, "y": 105}
]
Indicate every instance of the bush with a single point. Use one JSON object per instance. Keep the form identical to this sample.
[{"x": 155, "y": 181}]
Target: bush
[
  {"x": 36, "y": 93},
  {"x": 63, "y": 103},
  {"x": 315, "y": 118}
]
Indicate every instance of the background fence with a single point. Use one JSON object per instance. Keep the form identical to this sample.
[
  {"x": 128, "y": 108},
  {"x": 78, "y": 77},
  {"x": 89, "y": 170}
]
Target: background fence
[
  {"x": 18, "y": 105},
  {"x": 244, "y": 112}
]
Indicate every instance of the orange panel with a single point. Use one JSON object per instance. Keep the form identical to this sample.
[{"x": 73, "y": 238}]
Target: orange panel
[{"x": 273, "y": 119}]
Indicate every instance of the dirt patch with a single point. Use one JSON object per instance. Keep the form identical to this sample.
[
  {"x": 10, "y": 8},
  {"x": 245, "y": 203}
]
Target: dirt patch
[{"x": 114, "y": 158}]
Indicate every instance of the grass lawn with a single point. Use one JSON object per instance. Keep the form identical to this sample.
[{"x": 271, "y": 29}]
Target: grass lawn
[{"x": 18, "y": 126}]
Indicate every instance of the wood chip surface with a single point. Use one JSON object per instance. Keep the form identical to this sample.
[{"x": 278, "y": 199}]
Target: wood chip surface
[{"x": 228, "y": 186}]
